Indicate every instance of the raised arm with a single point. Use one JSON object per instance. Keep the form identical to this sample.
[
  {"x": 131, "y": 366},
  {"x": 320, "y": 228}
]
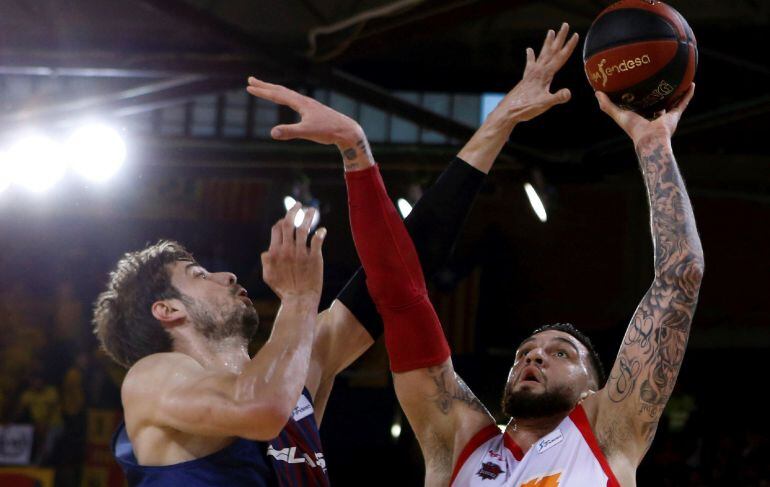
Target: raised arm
[
  {"x": 651, "y": 354},
  {"x": 174, "y": 391},
  {"x": 347, "y": 329},
  {"x": 440, "y": 407}
]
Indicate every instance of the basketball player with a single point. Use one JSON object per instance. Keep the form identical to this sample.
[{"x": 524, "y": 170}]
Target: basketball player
[
  {"x": 198, "y": 409},
  {"x": 568, "y": 427}
]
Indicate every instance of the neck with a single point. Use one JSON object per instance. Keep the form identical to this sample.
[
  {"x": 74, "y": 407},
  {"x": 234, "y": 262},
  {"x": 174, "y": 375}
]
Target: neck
[
  {"x": 525, "y": 432},
  {"x": 229, "y": 354}
]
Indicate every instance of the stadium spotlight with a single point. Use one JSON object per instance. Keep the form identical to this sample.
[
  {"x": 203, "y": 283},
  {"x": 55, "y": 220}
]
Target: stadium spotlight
[
  {"x": 5, "y": 172},
  {"x": 536, "y": 202},
  {"x": 404, "y": 207},
  {"x": 36, "y": 163},
  {"x": 96, "y": 151},
  {"x": 395, "y": 430}
]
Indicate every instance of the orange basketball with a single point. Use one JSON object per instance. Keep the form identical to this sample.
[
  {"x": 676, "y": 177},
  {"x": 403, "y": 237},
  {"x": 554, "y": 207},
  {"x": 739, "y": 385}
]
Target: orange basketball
[{"x": 642, "y": 54}]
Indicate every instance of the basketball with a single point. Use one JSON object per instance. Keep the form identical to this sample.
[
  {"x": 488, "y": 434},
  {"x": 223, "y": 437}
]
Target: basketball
[{"x": 642, "y": 54}]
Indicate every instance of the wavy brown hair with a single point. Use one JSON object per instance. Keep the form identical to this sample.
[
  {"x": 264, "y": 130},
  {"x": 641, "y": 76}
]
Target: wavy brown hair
[{"x": 123, "y": 320}]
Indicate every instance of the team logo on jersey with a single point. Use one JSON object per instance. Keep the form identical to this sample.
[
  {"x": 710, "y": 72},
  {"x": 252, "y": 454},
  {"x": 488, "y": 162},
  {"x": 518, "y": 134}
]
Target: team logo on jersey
[
  {"x": 549, "y": 481},
  {"x": 489, "y": 471}
]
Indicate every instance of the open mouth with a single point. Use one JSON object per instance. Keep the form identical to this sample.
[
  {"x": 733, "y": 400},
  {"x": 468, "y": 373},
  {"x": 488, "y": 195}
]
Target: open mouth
[
  {"x": 244, "y": 295},
  {"x": 530, "y": 375}
]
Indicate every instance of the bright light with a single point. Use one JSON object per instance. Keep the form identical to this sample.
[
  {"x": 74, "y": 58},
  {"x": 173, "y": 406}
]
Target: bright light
[
  {"x": 96, "y": 151},
  {"x": 5, "y": 172},
  {"x": 395, "y": 430},
  {"x": 404, "y": 207},
  {"x": 316, "y": 219},
  {"x": 536, "y": 203},
  {"x": 289, "y": 202},
  {"x": 36, "y": 163},
  {"x": 299, "y": 217}
]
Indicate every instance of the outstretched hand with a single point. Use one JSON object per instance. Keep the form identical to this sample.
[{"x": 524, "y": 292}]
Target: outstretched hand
[
  {"x": 289, "y": 266},
  {"x": 532, "y": 95},
  {"x": 637, "y": 127},
  {"x": 318, "y": 123}
]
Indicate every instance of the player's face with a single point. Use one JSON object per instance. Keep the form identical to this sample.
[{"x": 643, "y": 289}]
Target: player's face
[
  {"x": 548, "y": 376},
  {"x": 216, "y": 305}
]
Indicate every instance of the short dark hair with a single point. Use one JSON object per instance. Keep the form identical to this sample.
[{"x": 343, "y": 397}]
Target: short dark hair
[
  {"x": 596, "y": 361},
  {"x": 123, "y": 320}
]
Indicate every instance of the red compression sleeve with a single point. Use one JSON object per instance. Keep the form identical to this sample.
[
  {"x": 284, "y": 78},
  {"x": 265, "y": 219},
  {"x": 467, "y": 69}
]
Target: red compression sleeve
[{"x": 413, "y": 334}]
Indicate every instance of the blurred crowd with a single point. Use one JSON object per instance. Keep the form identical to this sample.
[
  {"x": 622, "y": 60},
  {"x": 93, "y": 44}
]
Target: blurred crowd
[{"x": 52, "y": 373}]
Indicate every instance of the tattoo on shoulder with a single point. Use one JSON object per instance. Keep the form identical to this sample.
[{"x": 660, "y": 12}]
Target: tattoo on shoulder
[{"x": 450, "y": 389}]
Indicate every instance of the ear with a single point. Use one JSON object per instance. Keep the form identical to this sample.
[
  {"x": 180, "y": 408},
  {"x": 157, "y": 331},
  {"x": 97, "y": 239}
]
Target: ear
[{"x": 168, "y": 311}]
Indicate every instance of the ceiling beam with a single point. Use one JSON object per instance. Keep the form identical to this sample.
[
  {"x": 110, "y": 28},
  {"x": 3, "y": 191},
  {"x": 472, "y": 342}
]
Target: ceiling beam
[
  {"x": 280, "y": 61},
  {"x": 118, "y": 64},
  {"x": 144, "y": 97}
]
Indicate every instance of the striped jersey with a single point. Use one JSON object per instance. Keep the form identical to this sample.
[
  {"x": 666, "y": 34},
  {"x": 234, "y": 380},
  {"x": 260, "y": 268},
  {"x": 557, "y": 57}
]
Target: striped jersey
[
  {"x": 293, "y": 458},
  {"x": 569, "y": 456}
]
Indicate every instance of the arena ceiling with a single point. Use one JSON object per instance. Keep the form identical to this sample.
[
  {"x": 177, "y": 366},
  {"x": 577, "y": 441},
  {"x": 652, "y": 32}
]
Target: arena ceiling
[{"x": 149, "y": 53}]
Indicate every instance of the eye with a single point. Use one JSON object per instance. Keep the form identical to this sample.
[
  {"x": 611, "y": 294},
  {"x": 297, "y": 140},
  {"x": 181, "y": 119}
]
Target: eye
[
  {"x": 561, "y": 354},
  {"x": 201, "y": 274}
]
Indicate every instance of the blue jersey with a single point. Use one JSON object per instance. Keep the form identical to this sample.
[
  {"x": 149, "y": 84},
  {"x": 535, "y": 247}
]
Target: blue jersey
[{"x": 293, "y": 458}]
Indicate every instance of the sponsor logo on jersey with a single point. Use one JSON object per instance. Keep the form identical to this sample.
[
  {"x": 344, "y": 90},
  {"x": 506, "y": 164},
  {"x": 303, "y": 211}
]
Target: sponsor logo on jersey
[
  {"x": 489, "y": 471},
  {"x": 289, "y": 455},
  {"x": 548, "y": 481},
  {"x": 550, "y": 441},
  {"x": 302, "y": 410}
]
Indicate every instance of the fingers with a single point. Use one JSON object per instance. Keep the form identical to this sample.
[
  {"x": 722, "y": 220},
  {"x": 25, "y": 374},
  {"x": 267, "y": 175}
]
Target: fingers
[
  {"x": 569, "y": 47},
  {"x": 681, "y": 105},
  {"x": 561, "y": 36},
  {"x": 276, "y": 237},
  {"x": 275, "y": 93},
  {"x": 287, "y": 226},
  {"x": 287, "y": 132},
  {"x": 317, "y": 241},
  {"x": 531, "y": 62},
  {"x": 548, "y": 42},
  {"x": 606, "y": 105},
  {"x": 304, "y": 229},
  {"x": 561, "y": 96},
  {"x": 557, "y": 48},
  {"x": 626, "y": 119}
]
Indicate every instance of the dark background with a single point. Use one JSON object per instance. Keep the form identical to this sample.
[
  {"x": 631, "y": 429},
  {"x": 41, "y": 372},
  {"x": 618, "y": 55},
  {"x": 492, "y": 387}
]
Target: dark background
[{"x": 201, "y": 170}]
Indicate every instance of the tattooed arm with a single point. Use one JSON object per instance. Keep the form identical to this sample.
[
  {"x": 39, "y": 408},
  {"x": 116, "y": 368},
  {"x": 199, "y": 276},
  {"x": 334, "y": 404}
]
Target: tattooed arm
[
  {"x": 644, "y": 373},
  {"x": 444, "y": 414}
]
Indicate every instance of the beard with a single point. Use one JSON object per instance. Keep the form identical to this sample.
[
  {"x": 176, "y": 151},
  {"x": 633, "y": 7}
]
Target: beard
[
  {"x": 235, "y": 321},
  {"x": 528, "y": 405}
]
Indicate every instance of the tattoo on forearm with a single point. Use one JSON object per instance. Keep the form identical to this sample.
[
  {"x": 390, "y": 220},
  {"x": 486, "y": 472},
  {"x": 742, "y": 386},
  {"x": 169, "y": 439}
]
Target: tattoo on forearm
[
  {"x": 450, "y": 389},
  {"x": 654, "y": 345},
  {"x": 351, "y": 154}
]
